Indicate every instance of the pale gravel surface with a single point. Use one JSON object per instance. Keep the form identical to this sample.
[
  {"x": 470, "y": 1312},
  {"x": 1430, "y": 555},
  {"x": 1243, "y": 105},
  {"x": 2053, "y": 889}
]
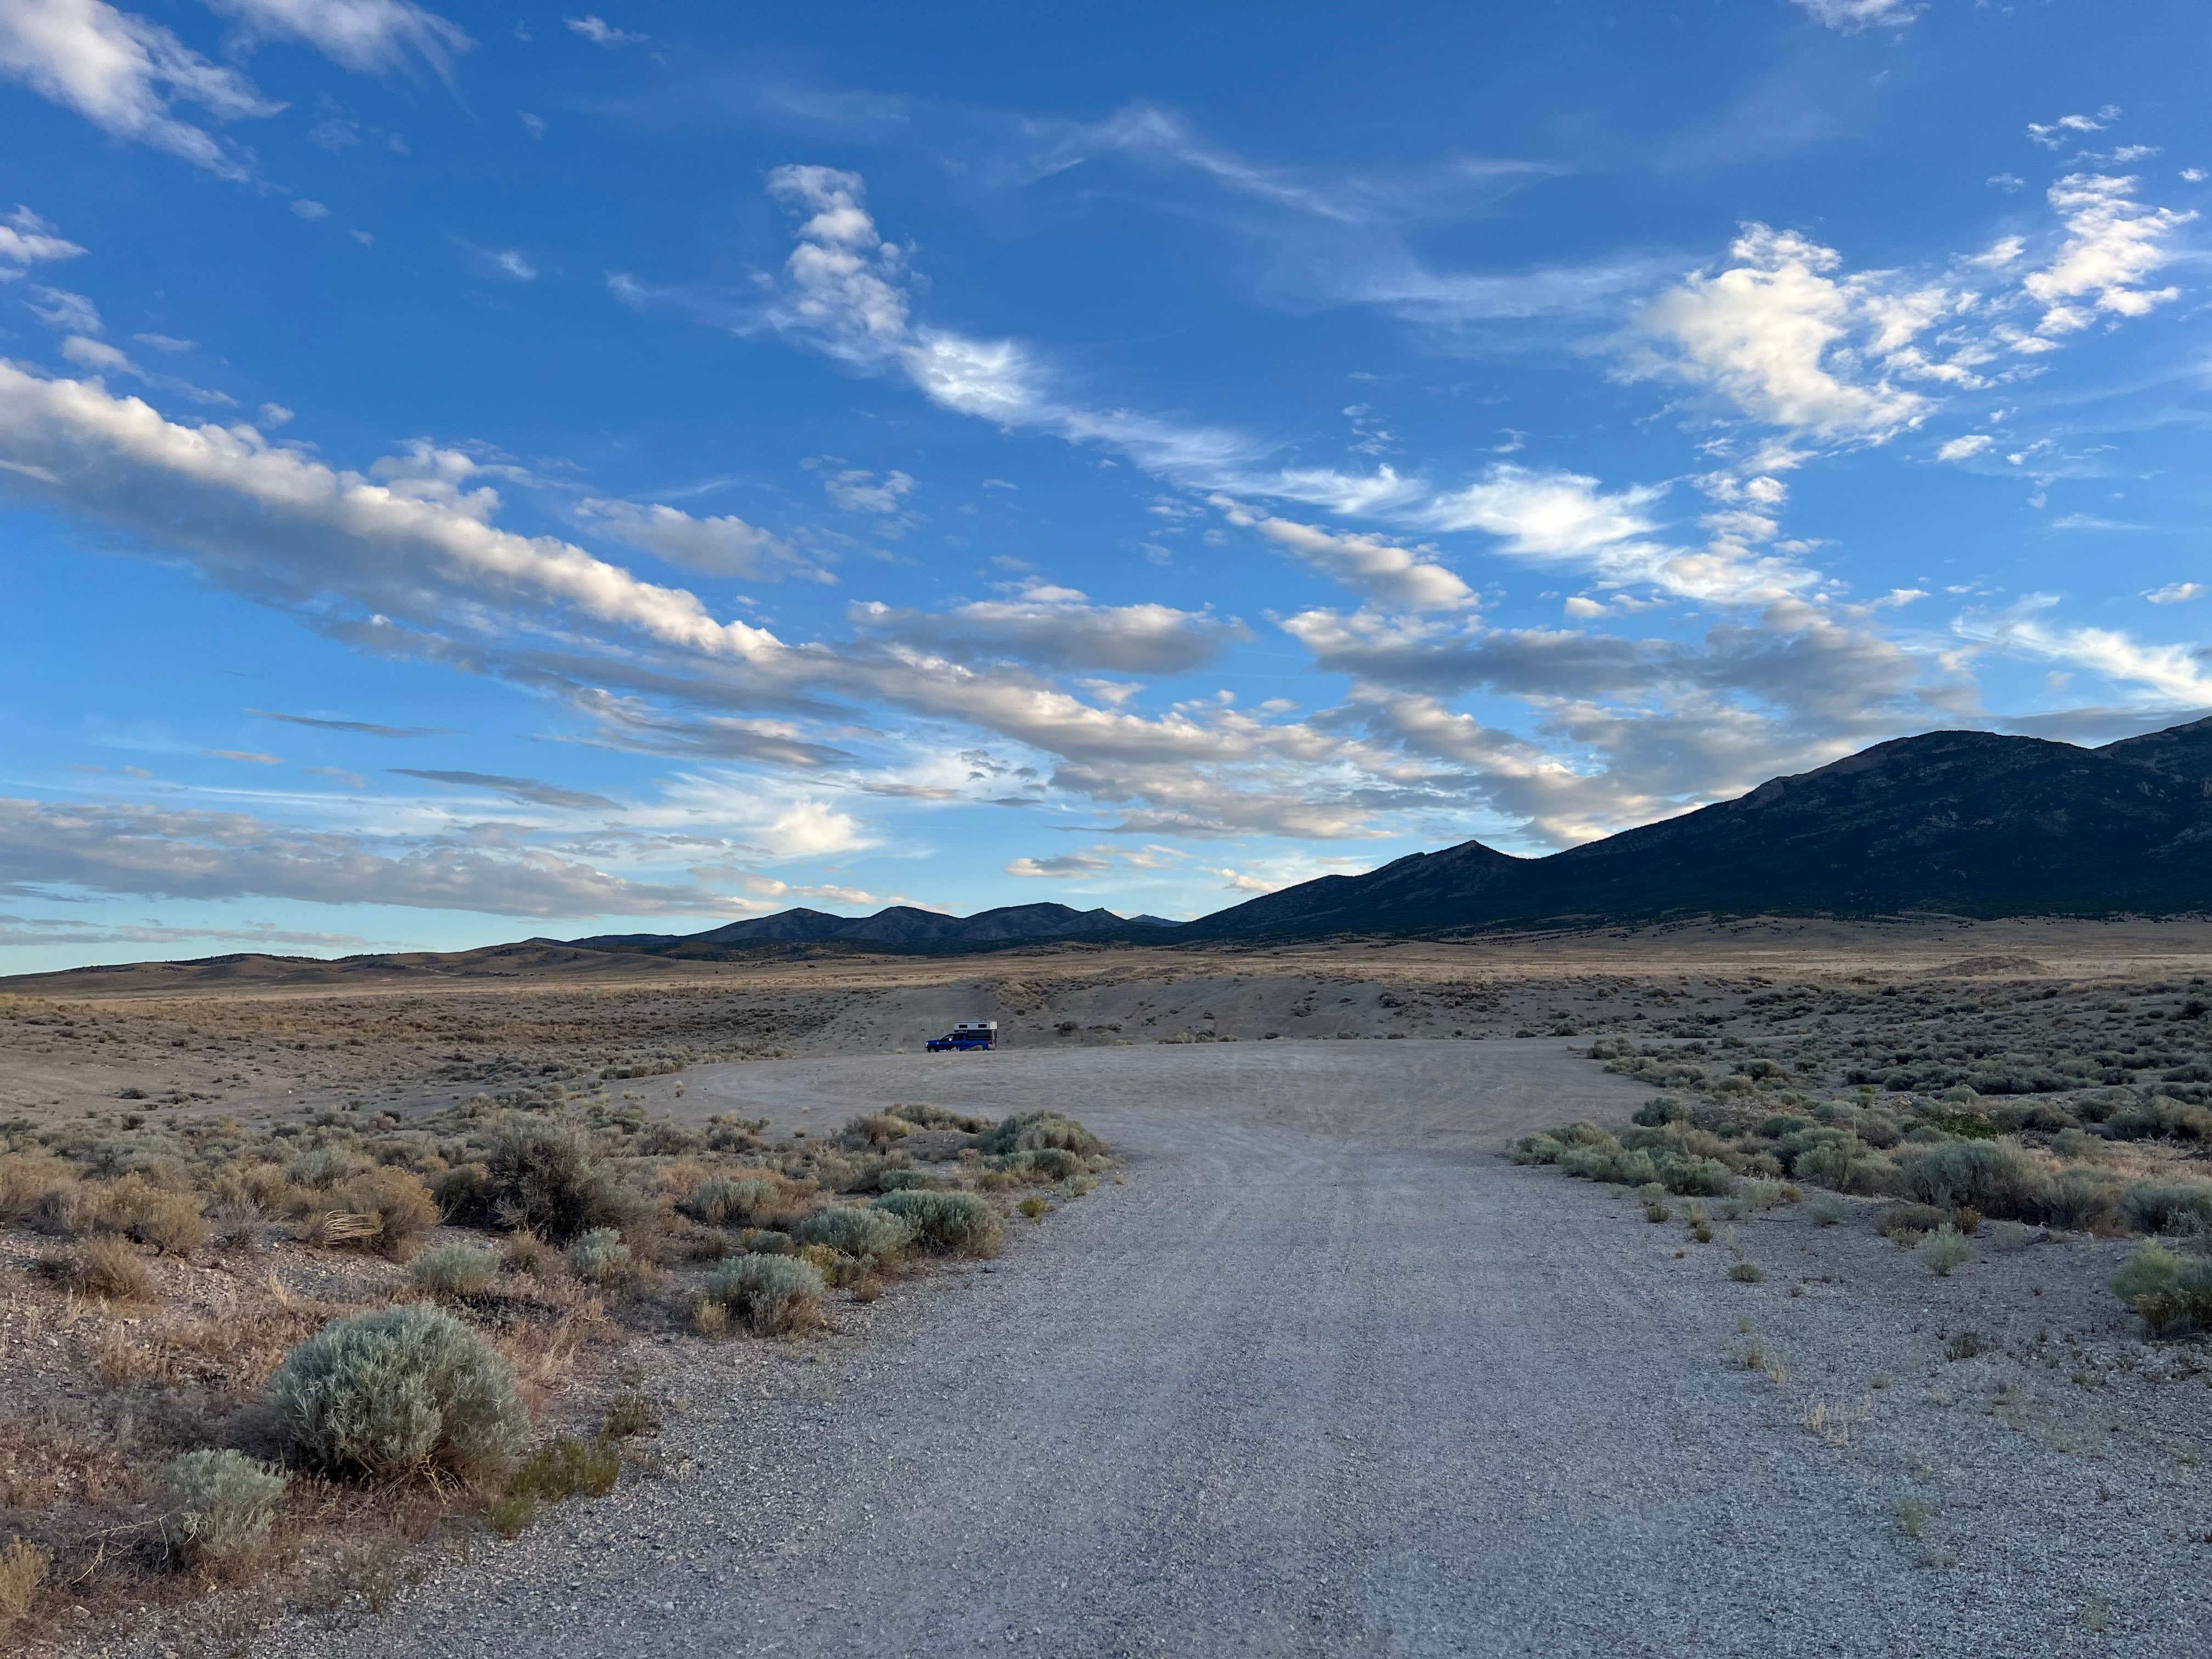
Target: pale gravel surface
[{"x": 1326, "y": 1377}]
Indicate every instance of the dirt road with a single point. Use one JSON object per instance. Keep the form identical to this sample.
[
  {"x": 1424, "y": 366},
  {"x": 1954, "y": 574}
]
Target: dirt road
[{"x": 1326, "y": 1376}]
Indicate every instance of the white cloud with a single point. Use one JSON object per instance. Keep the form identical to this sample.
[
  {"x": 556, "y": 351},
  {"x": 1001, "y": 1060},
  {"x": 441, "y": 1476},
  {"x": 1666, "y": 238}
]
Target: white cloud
[
  {"x": 600, "y": 33},
  {"x": 1791, "y": 344},
  {"x": 168, "y": 853},
  {"x": 309, "y": 210},
  {"x": 506, "y": 264},
  {"x": 721, "y": 546},
  {"x": 856, "y": 490},
  {"x": 2112, "y": 242},
  {"x": 1063, "y": 867},
  {"x": 532, "y": 124},
  {"x": 168, "y": 343},
  {"x": 1850, "y": 15},
  {"x": 1409, "y": 578},
  {"x": 1964, "y": 448},
  {"x": 2195, "y": 175},
  {"x": 58, "y": 309},
  {"x": 2173, "y": 674},
  {"x": 2176, "y": 593},
  {"x": 366, "y": 35},
  {"x": 1060, "y": 629},
  {"x": 124, "y": 73},
  {"x": 275, "y": 414},
  {"x": 104, "y": 359},
  {"x": 2054, "y": 134},
  {"x": 27, "y": 239}
]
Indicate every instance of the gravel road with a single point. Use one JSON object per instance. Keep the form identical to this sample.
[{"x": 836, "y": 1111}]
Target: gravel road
[{"x": 1325, "y": 1377}]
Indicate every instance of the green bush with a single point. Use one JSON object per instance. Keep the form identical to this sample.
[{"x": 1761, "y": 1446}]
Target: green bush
[
  {"x": 1028, "y": 1132},
  {"x": 1943, "y": 1249},
  {"x": 2083, "y": 1200},
  {"x": 746, "y": 1203},
  {"x": 1045, "y": 1164},
  {"x": 874, "y": 1129},
  {"x": 2169, "y": 1291},
  {"x": 2168, "y": 1207},
  {"x": 543, "y": 1178},
  {"x": 768, "y": 1294},
  {"x": 601, "y": 1257},
  {"x": 1993, "y": 1177},
  {"x": 399, "y": 1392},
  {"x": 455, "y": 1269},
  {"x": 959, "y": 1222},
  {"x": 216, "y": 1507},
  {"x": 860, "y": 1232},
  {"x": 1827, "y": 1210}
]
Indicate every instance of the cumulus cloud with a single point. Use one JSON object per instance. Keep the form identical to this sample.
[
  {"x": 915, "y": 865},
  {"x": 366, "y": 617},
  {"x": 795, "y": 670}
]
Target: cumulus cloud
[
  {"x": 2054, "y": 134},
  {"x": 600, "y": 33},
  {"x": 721, "y": 546},
  {"x": 1060, "y": 629},
  {"x": 126, "y": 74},
  {"x": 2176, "y": 593},
  {"x": 856, "y": 490},
  {"x": 27, "y": 239},
  {"x": 366, "y": 35},
  {"x": 1410, "y": 578},
  {"x": 1849, "y": 16},
  {"x": 1788, "y": 342},
  {"x": 1964, "y": 448},
  {"x": 2173, "y": 675},
  {"x": 167, "y": 853},
  {"x": 2112, "y": 243}
]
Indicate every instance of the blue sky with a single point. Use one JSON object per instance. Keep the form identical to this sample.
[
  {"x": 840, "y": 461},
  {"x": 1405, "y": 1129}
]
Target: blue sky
[{"x": 465, "y": 476}]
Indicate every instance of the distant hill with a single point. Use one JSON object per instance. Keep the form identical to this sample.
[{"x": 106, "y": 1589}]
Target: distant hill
[
  {"x": 1963, "y": 822},
  {"x": 901, "y": 926}
]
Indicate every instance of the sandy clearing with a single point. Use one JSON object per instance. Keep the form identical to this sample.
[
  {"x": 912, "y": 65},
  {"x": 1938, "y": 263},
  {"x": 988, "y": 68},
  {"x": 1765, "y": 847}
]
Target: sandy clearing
[{"x": 1325, "y": 1377}]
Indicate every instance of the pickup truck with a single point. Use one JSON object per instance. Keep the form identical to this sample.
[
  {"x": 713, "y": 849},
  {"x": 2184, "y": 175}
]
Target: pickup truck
[{"x": 968, "y": 1034}]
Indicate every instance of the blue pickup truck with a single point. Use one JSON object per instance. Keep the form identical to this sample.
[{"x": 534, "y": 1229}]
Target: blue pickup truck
[{"x": 968, "y": 1034}]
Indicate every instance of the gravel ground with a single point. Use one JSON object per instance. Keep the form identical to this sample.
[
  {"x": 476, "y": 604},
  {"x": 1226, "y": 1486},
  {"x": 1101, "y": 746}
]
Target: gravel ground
[{"x": 1327, "y": 1376}]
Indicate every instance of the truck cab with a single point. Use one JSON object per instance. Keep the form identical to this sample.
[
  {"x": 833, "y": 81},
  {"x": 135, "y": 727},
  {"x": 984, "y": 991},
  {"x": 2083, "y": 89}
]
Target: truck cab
[{"x": 965, "y": 1035}]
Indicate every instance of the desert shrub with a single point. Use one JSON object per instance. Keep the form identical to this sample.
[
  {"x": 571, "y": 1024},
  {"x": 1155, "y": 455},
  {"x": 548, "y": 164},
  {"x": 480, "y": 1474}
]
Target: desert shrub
[
  {"x": 767, "y": 1240},
  {"x": 1703, "y": 1177},
  {"x": 1044, "y": 1164},
  {"x": 1027, "y": 1132},
  {"x": 959, "y": 1222},
  {"x": 2168, "y": 1207},
  {"x": 1848, "y": 1166},
  {"x": 216, "y": 1507},
  {"x": 859, "y": 1232},
  {"x": 1996, "y": 1178},
  {"x": 937, "y": 1117},
  {"x": 899, "y": 1180},
  {"x": 105, "y": 1267},
  {"x": 1943, "y": 1249},
  {"x": 455, "y": 1269},
  {"x": 876, "y": 1129},
  {"x": 397, "y": 1392},
  {"x": 563, "y": 1467},
  {"x": 2162, "y": 1115},
  {"x": 400, "y": 1204},
  {"x": 2082, "y": 1199},
  {"x": 1033, "y": 1207},
  {"x": 745, "y": 1203},
  {"x": 601, "y": 1257},
  {"x": 543, "y": 1177},
  {"x": 22, "y": 1570},
  {"x": 2165, "y": 1289},
  {"x": 30, "y": 1182},
  {"x": 1748, "y": 1273},
  {"x": 1827, "y": 1210},
  {"x": 138, "y": 1209},
  {"x": 325, "y": 1166},
  {"x": 1660, "y": 1110},
  {"x": 1908, "y": 1224},
  {"x": 770, "y": 1295},
  {"x": 1768, "y": 1194}
]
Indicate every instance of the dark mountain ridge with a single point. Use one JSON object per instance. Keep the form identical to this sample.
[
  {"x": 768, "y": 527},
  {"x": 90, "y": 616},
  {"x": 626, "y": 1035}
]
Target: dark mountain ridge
[
  {"x": 1963, "y": 822},
  {"x": 898, "y": 927}
]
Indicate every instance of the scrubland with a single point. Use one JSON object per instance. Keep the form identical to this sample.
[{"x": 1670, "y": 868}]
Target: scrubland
[
  {"x": 274, "y": 1365},
  {"x": 563, "y": 1213}
]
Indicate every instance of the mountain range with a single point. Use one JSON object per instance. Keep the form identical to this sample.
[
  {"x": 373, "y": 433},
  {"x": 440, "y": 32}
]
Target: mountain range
[
  {"x": 1962, "y": 823},
  {"x": 901, "y": 926}
]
